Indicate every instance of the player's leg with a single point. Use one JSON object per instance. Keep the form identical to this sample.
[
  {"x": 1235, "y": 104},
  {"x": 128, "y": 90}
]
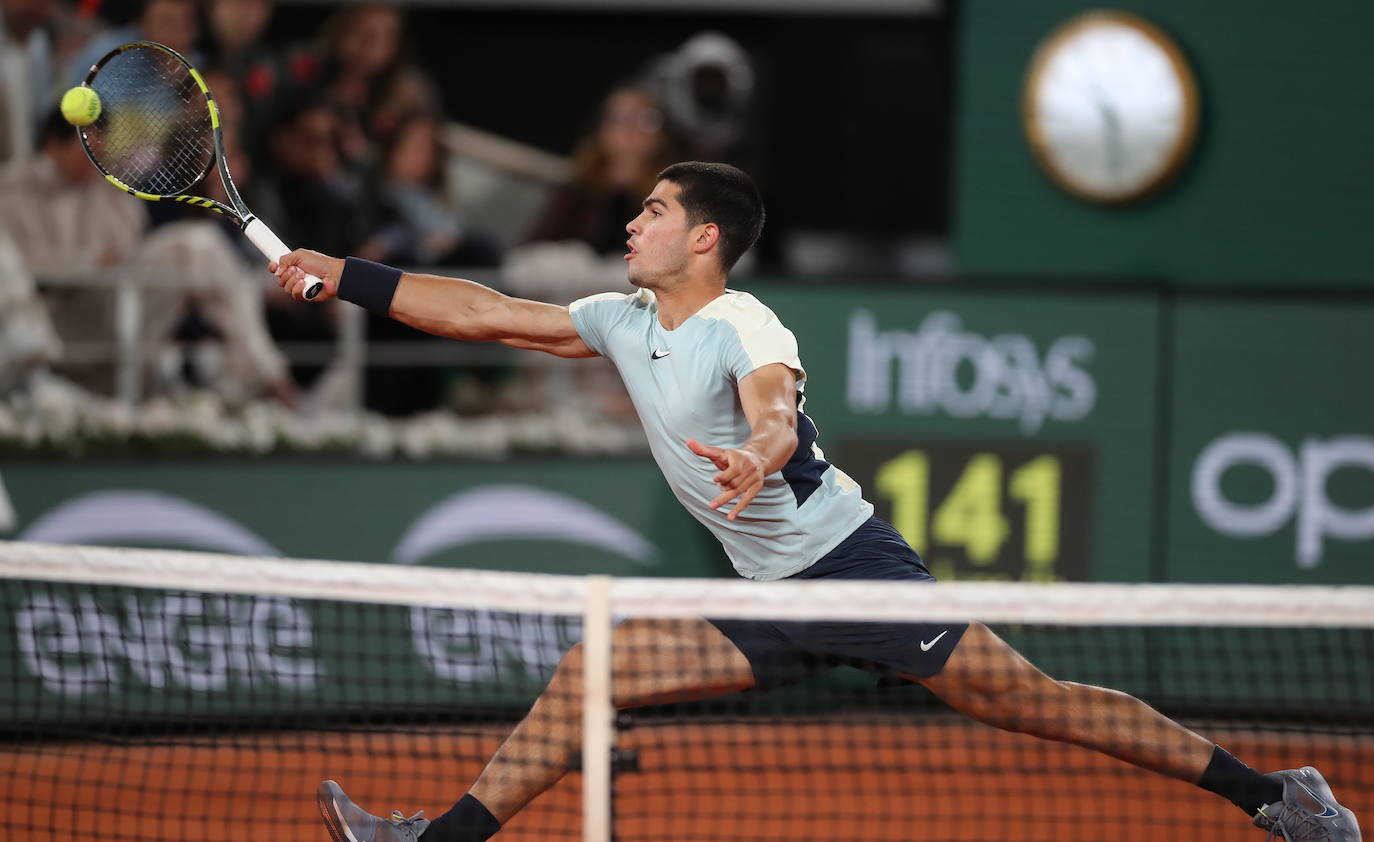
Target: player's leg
[
  {"x": 991, "y": 682},
  {"x": 653, "y": 662}
]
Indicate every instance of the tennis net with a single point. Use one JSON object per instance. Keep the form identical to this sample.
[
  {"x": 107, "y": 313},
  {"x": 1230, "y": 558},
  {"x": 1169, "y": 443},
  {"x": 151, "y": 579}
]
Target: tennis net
[{"x": 160, "y": 695}]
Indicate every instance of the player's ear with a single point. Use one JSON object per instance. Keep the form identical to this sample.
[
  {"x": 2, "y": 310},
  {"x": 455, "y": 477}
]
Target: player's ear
[{"x": 708, "y": 234}]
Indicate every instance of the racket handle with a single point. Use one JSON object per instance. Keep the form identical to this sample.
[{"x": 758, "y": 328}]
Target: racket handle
[{"x": 274, "y": 249}]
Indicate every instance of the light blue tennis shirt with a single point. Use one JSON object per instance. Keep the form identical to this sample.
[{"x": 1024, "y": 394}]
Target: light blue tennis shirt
[{"x": 685, "y": 384}]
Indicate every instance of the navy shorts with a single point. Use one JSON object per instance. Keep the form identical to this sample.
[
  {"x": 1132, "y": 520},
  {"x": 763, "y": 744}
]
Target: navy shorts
[{"x": 786, "y": 652}]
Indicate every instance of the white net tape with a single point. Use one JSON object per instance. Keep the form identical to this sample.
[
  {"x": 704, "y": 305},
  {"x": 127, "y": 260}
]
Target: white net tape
[{"x": 1066, "y": 603}]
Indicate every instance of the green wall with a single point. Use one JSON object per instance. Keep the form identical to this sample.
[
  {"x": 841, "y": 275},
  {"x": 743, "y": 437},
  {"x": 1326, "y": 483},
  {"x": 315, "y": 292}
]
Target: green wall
[
  {"x": 917, "y": 394},
  {"x": 1278, "y": 189},
  {"x": 612, "y": 516},
  {"x": 1272, "y": 465}
]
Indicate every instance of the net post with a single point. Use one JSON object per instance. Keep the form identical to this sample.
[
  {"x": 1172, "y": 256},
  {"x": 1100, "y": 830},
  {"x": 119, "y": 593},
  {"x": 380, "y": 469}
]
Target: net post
[
  {"x": 598, "y": 711},
  {"x": 351, "y": 349},
  {"x": 128, "y": 327}
]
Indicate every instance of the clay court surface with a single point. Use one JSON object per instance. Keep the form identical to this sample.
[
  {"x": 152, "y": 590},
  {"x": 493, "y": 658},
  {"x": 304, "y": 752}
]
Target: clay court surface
[{"x": 880, "y": 780}]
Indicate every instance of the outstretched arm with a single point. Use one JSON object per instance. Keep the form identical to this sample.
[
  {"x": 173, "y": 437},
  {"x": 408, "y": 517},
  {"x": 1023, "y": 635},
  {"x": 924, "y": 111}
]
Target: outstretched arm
[
  {"x": 449, "y": 307},
  {"x": 769, "y": 399}
]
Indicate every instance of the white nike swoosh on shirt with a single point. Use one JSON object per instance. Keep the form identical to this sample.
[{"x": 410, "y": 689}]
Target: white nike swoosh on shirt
[
  {"x": 925, "y": 647},
  {"x": 659, "y": 354}
]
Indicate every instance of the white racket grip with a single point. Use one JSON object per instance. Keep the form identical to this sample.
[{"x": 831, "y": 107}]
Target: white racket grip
[{"x": 274, "y": 249}]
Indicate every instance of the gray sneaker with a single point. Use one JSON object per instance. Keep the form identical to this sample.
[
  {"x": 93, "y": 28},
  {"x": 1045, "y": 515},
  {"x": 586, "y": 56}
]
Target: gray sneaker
[
  {"x": 1308, "y": 811},
  {"x": 347, "y": 822}
]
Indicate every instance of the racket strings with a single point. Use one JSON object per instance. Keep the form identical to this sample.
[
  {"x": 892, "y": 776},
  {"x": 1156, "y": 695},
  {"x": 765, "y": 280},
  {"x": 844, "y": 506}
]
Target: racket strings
[{"x": 154, "y": 132}]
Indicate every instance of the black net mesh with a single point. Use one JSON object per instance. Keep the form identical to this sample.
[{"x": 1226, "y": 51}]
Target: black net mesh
[{"x": 143, "y": 713}]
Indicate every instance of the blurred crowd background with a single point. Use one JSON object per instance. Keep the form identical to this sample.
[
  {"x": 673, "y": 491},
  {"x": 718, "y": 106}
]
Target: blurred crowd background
[{"x": 508, "y": 145}]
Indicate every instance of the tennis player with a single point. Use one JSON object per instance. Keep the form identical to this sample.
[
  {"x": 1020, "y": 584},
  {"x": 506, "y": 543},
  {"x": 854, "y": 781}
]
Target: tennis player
[{"x": 718, "y": 386}]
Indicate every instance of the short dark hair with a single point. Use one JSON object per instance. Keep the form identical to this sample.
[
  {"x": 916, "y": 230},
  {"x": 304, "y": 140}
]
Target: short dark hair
[{"x": 724, "y": 195}]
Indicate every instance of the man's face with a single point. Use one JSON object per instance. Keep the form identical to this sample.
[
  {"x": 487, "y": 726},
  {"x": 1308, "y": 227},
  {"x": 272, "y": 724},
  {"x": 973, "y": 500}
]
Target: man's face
[
  {"x": 238, "y": 23},
  {"x": 371, "y": 42},
  {"x": 170, "y": 22},
  {"x": 306, "y": 149},
  {"x": 22, "y": 16},
  {"x": 660, "y": 239}
]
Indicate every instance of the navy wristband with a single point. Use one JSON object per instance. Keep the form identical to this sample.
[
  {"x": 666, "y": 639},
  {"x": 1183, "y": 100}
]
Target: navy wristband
[{"x": 369, "y": 285}]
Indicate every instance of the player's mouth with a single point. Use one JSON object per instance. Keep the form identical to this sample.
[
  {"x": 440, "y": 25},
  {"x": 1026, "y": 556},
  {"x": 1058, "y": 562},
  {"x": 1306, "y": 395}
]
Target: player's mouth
[{"x": 630, "y": 250}]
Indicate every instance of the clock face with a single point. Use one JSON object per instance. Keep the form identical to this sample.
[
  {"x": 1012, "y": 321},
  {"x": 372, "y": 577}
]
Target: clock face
[{"x": 1110, "y": 107}]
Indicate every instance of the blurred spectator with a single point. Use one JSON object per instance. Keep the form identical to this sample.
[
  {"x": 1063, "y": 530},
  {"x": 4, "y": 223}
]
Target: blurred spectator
[
  {"x": 710, "y": 91},
  {"x": 578, "y": 245},
  {"x": 311, "y": 200},
  {"x": 67, "y": 222},
  {"x": 366, "y": 73},
  {"x": 25, "y": 73},
  {"x": 426, "y": 228},
  {"x": 231, "y": 40},
  {"x": 706, "y": 87},
  {"x": 28, "y": 343},
  {"x": 231, "y": 44},
  {"x": 31, "y": 45},
  {"x": 304, "y": 188},
  {"x": 194, "y": 327},
  {"x": 169, "y": 22},
  {"x": 614, "y": 168}
]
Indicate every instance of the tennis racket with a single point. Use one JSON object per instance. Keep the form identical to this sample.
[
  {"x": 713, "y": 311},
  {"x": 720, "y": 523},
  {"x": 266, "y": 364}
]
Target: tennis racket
[{"x": 158, "y": 135}]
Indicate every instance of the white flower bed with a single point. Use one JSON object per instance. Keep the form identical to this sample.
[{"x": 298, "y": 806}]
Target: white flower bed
[{"x": 74, "y": 423}]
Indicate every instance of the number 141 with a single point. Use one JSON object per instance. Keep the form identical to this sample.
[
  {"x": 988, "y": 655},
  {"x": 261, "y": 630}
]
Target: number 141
[{"x": 972, "y": 514}]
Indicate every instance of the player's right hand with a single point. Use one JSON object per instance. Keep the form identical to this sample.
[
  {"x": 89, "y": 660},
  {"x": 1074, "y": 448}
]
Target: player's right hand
[
  {"x": 740, "y": 478},
  {"x": 292, "y": 268}
]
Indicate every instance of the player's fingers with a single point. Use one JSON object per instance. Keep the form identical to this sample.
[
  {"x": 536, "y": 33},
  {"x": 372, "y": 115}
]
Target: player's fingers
[
  {"x": 287, "y": 268},
  {"x": 724, "y": 497},
  {"x": 731, "y": 471},
  {"x": 744, "y": 501},
  {"x": 715, "y": 454},
  {"x": 746, "y": 468}
]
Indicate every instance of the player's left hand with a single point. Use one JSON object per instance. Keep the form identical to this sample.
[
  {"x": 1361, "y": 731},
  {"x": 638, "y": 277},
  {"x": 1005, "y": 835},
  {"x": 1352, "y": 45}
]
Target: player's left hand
[{"x": 740, "y": 477}]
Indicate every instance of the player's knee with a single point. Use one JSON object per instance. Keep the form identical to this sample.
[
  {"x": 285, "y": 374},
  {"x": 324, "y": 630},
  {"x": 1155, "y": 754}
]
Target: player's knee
[
  {"x": 1014, "y": 699},
  {"x": 1008, "y": 681}
]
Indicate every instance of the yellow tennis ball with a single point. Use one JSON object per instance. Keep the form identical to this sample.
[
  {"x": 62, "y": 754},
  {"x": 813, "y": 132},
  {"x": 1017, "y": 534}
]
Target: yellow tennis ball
[{"x": 81, "y": 106}]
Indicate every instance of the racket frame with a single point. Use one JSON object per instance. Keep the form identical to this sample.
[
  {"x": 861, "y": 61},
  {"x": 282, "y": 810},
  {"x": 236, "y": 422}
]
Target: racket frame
[{"x": 256, "y": 231}]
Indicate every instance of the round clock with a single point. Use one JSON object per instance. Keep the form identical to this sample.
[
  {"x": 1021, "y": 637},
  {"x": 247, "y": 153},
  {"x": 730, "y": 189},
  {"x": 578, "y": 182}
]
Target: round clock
[{"x": 1110, "y": 107}]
